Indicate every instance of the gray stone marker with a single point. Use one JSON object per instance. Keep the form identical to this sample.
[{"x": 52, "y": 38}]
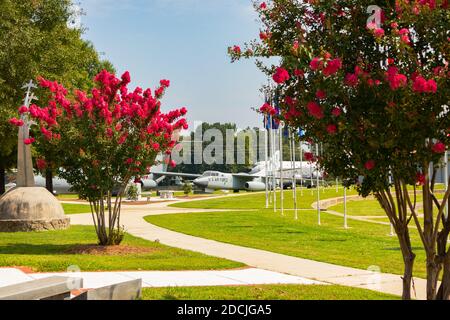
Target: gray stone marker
[
  {"x": 53, "y": 288},
  {"x": 26, "y": 207},
  {"x": 130, "y": 290}
]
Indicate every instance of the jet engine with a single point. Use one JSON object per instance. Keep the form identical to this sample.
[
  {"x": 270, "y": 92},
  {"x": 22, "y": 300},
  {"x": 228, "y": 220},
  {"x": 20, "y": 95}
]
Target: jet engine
[{"x": 255, "y": 186}]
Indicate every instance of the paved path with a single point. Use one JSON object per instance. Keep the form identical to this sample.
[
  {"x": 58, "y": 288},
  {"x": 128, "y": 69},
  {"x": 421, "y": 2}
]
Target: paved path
[
  {"x": 92, "y": 280},
  {"x": 134, "y": 223}
]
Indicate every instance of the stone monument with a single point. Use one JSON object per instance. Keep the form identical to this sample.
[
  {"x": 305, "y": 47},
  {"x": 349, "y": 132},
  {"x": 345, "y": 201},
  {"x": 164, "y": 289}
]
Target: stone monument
[{"x": 27, "y": 207}]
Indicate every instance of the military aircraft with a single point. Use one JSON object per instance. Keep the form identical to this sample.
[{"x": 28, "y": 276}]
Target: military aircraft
[{"x": 262, "y": 173}]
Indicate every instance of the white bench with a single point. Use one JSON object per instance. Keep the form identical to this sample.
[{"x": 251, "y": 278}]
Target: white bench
[{"x": 166, "y": 194}]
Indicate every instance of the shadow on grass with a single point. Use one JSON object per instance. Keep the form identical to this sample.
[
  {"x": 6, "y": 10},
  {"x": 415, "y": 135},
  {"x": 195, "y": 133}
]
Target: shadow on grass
[
  {"x": 38, "y": 249},
  {"x": 398, "y": 249}
]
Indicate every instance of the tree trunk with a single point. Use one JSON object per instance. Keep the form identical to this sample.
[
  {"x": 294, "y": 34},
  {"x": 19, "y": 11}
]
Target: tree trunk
[
  {"x": 2, "y": 179},
  {"x": 444, "y": 289},
  {"x": 408, "y": 259},
  {"x": 433, "y": 270},
  {"x": 49, "y": 180}
]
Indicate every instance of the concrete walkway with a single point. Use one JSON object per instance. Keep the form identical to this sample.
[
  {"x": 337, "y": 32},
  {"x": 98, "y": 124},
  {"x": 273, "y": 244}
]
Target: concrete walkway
[
  {"x": 93, "y": 280},
  {"x": 132, "y": 219}
]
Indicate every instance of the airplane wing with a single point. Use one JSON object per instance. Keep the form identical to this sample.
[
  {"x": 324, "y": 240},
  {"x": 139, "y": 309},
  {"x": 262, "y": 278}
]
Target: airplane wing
[
  {"x": 244, "y": 176},
  {"x": 177, "y": 174}
]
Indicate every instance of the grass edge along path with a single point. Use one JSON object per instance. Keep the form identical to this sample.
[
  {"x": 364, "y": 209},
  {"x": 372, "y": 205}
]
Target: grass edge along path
[
  {"x": 50, "y": 251},
  {"x": 265, "y": 292},
  {"x": 363, "y": 245}
]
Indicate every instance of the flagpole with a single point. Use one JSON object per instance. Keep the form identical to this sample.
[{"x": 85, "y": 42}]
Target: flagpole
[
  {"x": 294, "y": 171},
  {"x": 280, "y": 129},
  {"x": 318, "y": 187},
  {"x": 274, "y": 180},
  {"x": 301, "y": 169},
  {"x": 446, "y": 173},
  {"x": 266, "y": 151},
  {"x": 323, "y": 178},
  {"x": 345, "y": 208}
]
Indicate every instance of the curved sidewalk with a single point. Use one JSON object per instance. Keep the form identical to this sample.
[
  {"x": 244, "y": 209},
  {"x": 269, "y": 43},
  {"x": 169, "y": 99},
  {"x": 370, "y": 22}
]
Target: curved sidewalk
[{"x": 133, "y": 220}]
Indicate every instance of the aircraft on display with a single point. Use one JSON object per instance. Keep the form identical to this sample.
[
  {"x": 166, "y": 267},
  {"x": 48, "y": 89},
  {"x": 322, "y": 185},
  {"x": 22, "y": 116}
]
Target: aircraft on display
[
  {"x": 263, "y": 172},
  {"x": 305, "y": 173}
]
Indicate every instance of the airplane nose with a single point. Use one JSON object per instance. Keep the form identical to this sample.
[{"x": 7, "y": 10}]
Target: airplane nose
[{"x": 201, "y": 182}]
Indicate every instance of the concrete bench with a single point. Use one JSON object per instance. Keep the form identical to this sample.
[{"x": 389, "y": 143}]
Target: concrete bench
[
  {"x": 130, "y": 290},
  {"x": 166, "y": 194},
  {"x": 52, "y": 288}
]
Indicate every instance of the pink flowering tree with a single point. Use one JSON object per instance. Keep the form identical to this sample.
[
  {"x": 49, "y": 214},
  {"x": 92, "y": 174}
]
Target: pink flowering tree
[
  {"x": 374, "y": 88},
  {"x": 102, "y": 139}
]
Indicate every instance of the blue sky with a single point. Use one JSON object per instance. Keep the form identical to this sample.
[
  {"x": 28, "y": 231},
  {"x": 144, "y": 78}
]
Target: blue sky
[{"x": 185, "y": 41}]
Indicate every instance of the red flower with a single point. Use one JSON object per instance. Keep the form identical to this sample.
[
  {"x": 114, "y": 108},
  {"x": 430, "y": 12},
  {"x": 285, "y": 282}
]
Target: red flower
[
  {"x": 29, "y": 141},
  {"x": 332, "y": 129},
  {"x": 23, "y": 110},
  {"x": 41, "y": 164},
  {"x": 336, "y": 112},
  {"x": 263, "y": 6},
  {"x": 321, "y": 94},
  {"x": 299, "y": 73},
  {"x": 369, "y": 165},
  {"x": 129, "y": 161},
  {"x": 281, "y": 75},
  {"x": 309, "y": 156},
  {"x": 268, "y": 109},
  {"x": 165, "y": 83},
  {"x": 16, "y": 122},
  {"x": 379, "y": 33},
  {"x": 263, "y": 36},
  {"x": 237, "y": 49},
  {"x": 420, "y": 179},
  {"x": 439, "y": 147},
  {"x": 315, "y": 110},
  {"x": 126, "y": 79},
  {"x": 316, "y": 64},
  {"x": 172, "y": 164},
  {"x": 351, "y": 80},
  {"x": 332, "y": 67}
]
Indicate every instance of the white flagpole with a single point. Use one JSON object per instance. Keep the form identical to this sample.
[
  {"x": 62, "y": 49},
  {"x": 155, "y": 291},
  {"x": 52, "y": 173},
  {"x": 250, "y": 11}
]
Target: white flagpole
[
  {"x": 446, "y": 173},
  {"x": 323, "y": 178},
  {"x": 274, "y": 182},
  {"x": 318, "y": 188},
  {"x": 291, "y": 153},
  {"x": 345, "y": 208},
  {"x": 294, "y": 179},
  {"x": 280, "y": 129},
  {"x": 301, "y": 169},
  {"x": 266, "y": 151}
]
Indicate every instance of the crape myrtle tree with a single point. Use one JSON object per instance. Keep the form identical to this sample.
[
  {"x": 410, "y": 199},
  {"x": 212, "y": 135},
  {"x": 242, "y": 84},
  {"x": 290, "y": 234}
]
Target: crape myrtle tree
[
  {"x": 35, "y": 39},
  {"x": 372, "y": 84},
  {"x": 103, "y": 139}
]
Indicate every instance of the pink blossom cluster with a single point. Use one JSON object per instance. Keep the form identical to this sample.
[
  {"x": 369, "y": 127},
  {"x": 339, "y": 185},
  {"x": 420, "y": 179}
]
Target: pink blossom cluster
[
  {"x": 281, "y": 75},
  {"x": 268, "y": 109},
  {"x": 111, "y": 105},
  {"x": 421, "y": 85},
  {"x": 327, "y": 65}
]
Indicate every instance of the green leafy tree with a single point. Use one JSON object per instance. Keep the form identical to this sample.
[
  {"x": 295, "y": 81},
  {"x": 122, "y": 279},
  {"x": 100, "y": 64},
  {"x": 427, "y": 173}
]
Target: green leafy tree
[
  {"x": 104, "y": 138},
  {"x": 35, "y": 40},
  {"x": 374, "y": 88}
]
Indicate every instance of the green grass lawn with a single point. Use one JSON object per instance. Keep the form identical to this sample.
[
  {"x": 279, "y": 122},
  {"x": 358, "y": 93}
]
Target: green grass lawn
[
  {"x": 67, "y": 196},
  {"x": 361, "y": 208},
  {"x": 48, "y": 251},
  {"x": 264, "y": 292},
  {"x": 363, "y": 245},
  {"x": 257, "y": 200},
  {"x": 70, "y": 208}
]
